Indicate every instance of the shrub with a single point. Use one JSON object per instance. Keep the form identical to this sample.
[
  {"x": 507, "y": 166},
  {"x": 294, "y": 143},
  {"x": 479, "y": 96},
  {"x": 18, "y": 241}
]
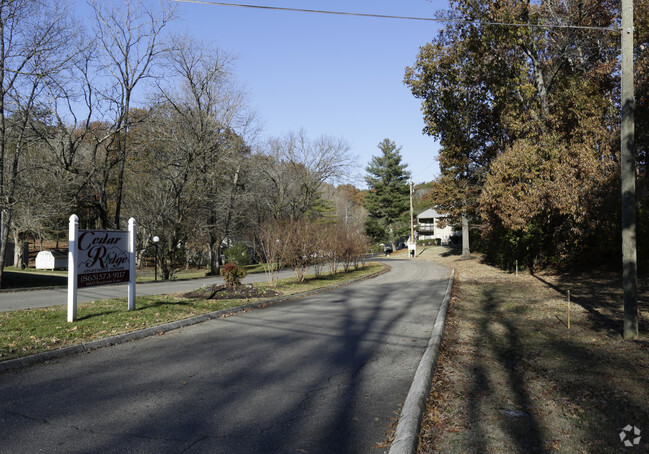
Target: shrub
[
  {"x": 238, "y": 254},
  {"x": 299, "y": 249},
  {"x": 376, "y": 248},
  {"x": 233, "y": 274},
  {"x": 269, "y": 248}
]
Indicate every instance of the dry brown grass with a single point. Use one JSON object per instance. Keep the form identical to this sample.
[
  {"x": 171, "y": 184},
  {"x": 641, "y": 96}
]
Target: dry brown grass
[{"x": 513, "y": 378}]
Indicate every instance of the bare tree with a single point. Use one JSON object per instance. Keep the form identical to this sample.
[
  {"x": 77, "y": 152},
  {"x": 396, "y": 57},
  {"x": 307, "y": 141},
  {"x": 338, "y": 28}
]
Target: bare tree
[
  {"x": 164, "y": 192},
  {"x": 129, "y": 40},
  {"x": 79, "y": 143},
  {"x": 298, "y": 249},
  {"x": 347, "y": 202},
  {"x": 214, "y": 116},
  {"x": 269, "y": 244},
  {"x": 35, "y": 39},
  {"x": 332, "y": 252},
  {"x": 296, "y": 168}
]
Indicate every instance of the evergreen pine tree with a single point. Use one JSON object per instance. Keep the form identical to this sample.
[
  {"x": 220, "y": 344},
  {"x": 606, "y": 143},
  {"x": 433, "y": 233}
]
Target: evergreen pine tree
[{"x": 388, "y": 199}]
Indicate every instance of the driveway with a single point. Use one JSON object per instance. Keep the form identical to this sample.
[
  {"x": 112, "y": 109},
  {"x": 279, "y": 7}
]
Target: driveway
[{"x": 320, "y": 374}]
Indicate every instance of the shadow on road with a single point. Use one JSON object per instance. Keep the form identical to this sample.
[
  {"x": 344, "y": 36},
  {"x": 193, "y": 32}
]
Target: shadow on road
[
  {"x": 12, "y": 280},
  {"x": 312, "y": 375}
]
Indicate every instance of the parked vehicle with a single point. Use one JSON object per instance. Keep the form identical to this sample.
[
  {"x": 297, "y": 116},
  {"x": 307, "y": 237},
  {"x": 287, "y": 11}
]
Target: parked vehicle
[{"x": 402, "y": 243}]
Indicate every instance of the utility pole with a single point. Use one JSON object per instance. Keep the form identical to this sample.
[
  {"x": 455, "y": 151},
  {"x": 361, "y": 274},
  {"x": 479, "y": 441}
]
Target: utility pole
[
  {"x": 412, "y": 245},
  {"x": 412, "y": 216},
  {"x": 627, "y": 164}
]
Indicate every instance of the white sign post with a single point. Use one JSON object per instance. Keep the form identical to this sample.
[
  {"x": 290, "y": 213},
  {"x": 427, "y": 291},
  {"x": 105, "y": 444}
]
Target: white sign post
[
  {"x": 72, "y": 268},
  {"x": 100, "y": 257},
  {"x": 131, "y": 264}
]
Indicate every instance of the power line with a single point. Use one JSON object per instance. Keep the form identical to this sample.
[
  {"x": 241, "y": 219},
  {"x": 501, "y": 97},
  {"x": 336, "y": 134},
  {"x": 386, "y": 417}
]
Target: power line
[{"x": 388, "y": 16}]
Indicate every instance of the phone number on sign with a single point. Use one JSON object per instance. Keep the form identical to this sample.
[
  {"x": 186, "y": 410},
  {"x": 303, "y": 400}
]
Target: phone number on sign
[{"x": 110, "y": 277}]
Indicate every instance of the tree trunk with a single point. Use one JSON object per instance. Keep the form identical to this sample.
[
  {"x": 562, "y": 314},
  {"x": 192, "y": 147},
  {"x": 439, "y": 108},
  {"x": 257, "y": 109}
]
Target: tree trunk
[
  {"x": 118, "y": 194},
  {"x": 466, "y": 250},
  {"x": 19, "y": 251},
  {"x": 214, "y": 257},
  {"x": 6, "y": 219},
  {"x": 121, "y": 151},
  {"x": 219, "y": 252},
  {"x": 165, "y": 266},
  {"x": 3, "y": 139}
]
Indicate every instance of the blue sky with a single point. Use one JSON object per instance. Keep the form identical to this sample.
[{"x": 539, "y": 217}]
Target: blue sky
[{"x": 330, "y": 75}]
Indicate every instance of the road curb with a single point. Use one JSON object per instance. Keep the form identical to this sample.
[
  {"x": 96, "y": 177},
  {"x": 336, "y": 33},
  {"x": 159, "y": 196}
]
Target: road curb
[
  {"x": 407, "y": 432},
  {"x": 25, "y": 361}
]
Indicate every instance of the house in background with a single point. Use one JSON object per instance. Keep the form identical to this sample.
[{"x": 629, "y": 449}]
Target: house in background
[{"x": 429, "y": 228}]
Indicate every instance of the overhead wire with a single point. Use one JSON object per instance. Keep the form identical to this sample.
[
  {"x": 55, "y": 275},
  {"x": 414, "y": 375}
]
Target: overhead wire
[{"x": 390, "y": 16}]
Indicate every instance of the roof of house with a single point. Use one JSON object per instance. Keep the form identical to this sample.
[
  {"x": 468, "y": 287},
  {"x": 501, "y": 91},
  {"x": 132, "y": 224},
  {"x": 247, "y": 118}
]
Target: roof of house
[{"x": 430, "y": 214}]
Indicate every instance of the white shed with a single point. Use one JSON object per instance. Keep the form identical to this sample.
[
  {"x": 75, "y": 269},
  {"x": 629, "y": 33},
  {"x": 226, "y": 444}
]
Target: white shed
[{"x": 51, "y": 260}]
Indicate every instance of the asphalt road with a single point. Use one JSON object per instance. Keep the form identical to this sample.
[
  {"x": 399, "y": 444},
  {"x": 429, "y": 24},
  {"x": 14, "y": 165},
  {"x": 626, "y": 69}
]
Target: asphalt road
[
  {"x": 32, "y": 299},
  {"x": 321, "y": 374}
]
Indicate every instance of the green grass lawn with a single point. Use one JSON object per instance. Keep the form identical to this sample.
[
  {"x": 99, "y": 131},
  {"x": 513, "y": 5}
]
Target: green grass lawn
[{"x": 31, "y": 331}]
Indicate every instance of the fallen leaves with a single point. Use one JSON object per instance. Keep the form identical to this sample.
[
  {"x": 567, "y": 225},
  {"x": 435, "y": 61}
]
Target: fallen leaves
[{"x": 561, "y": 389}]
